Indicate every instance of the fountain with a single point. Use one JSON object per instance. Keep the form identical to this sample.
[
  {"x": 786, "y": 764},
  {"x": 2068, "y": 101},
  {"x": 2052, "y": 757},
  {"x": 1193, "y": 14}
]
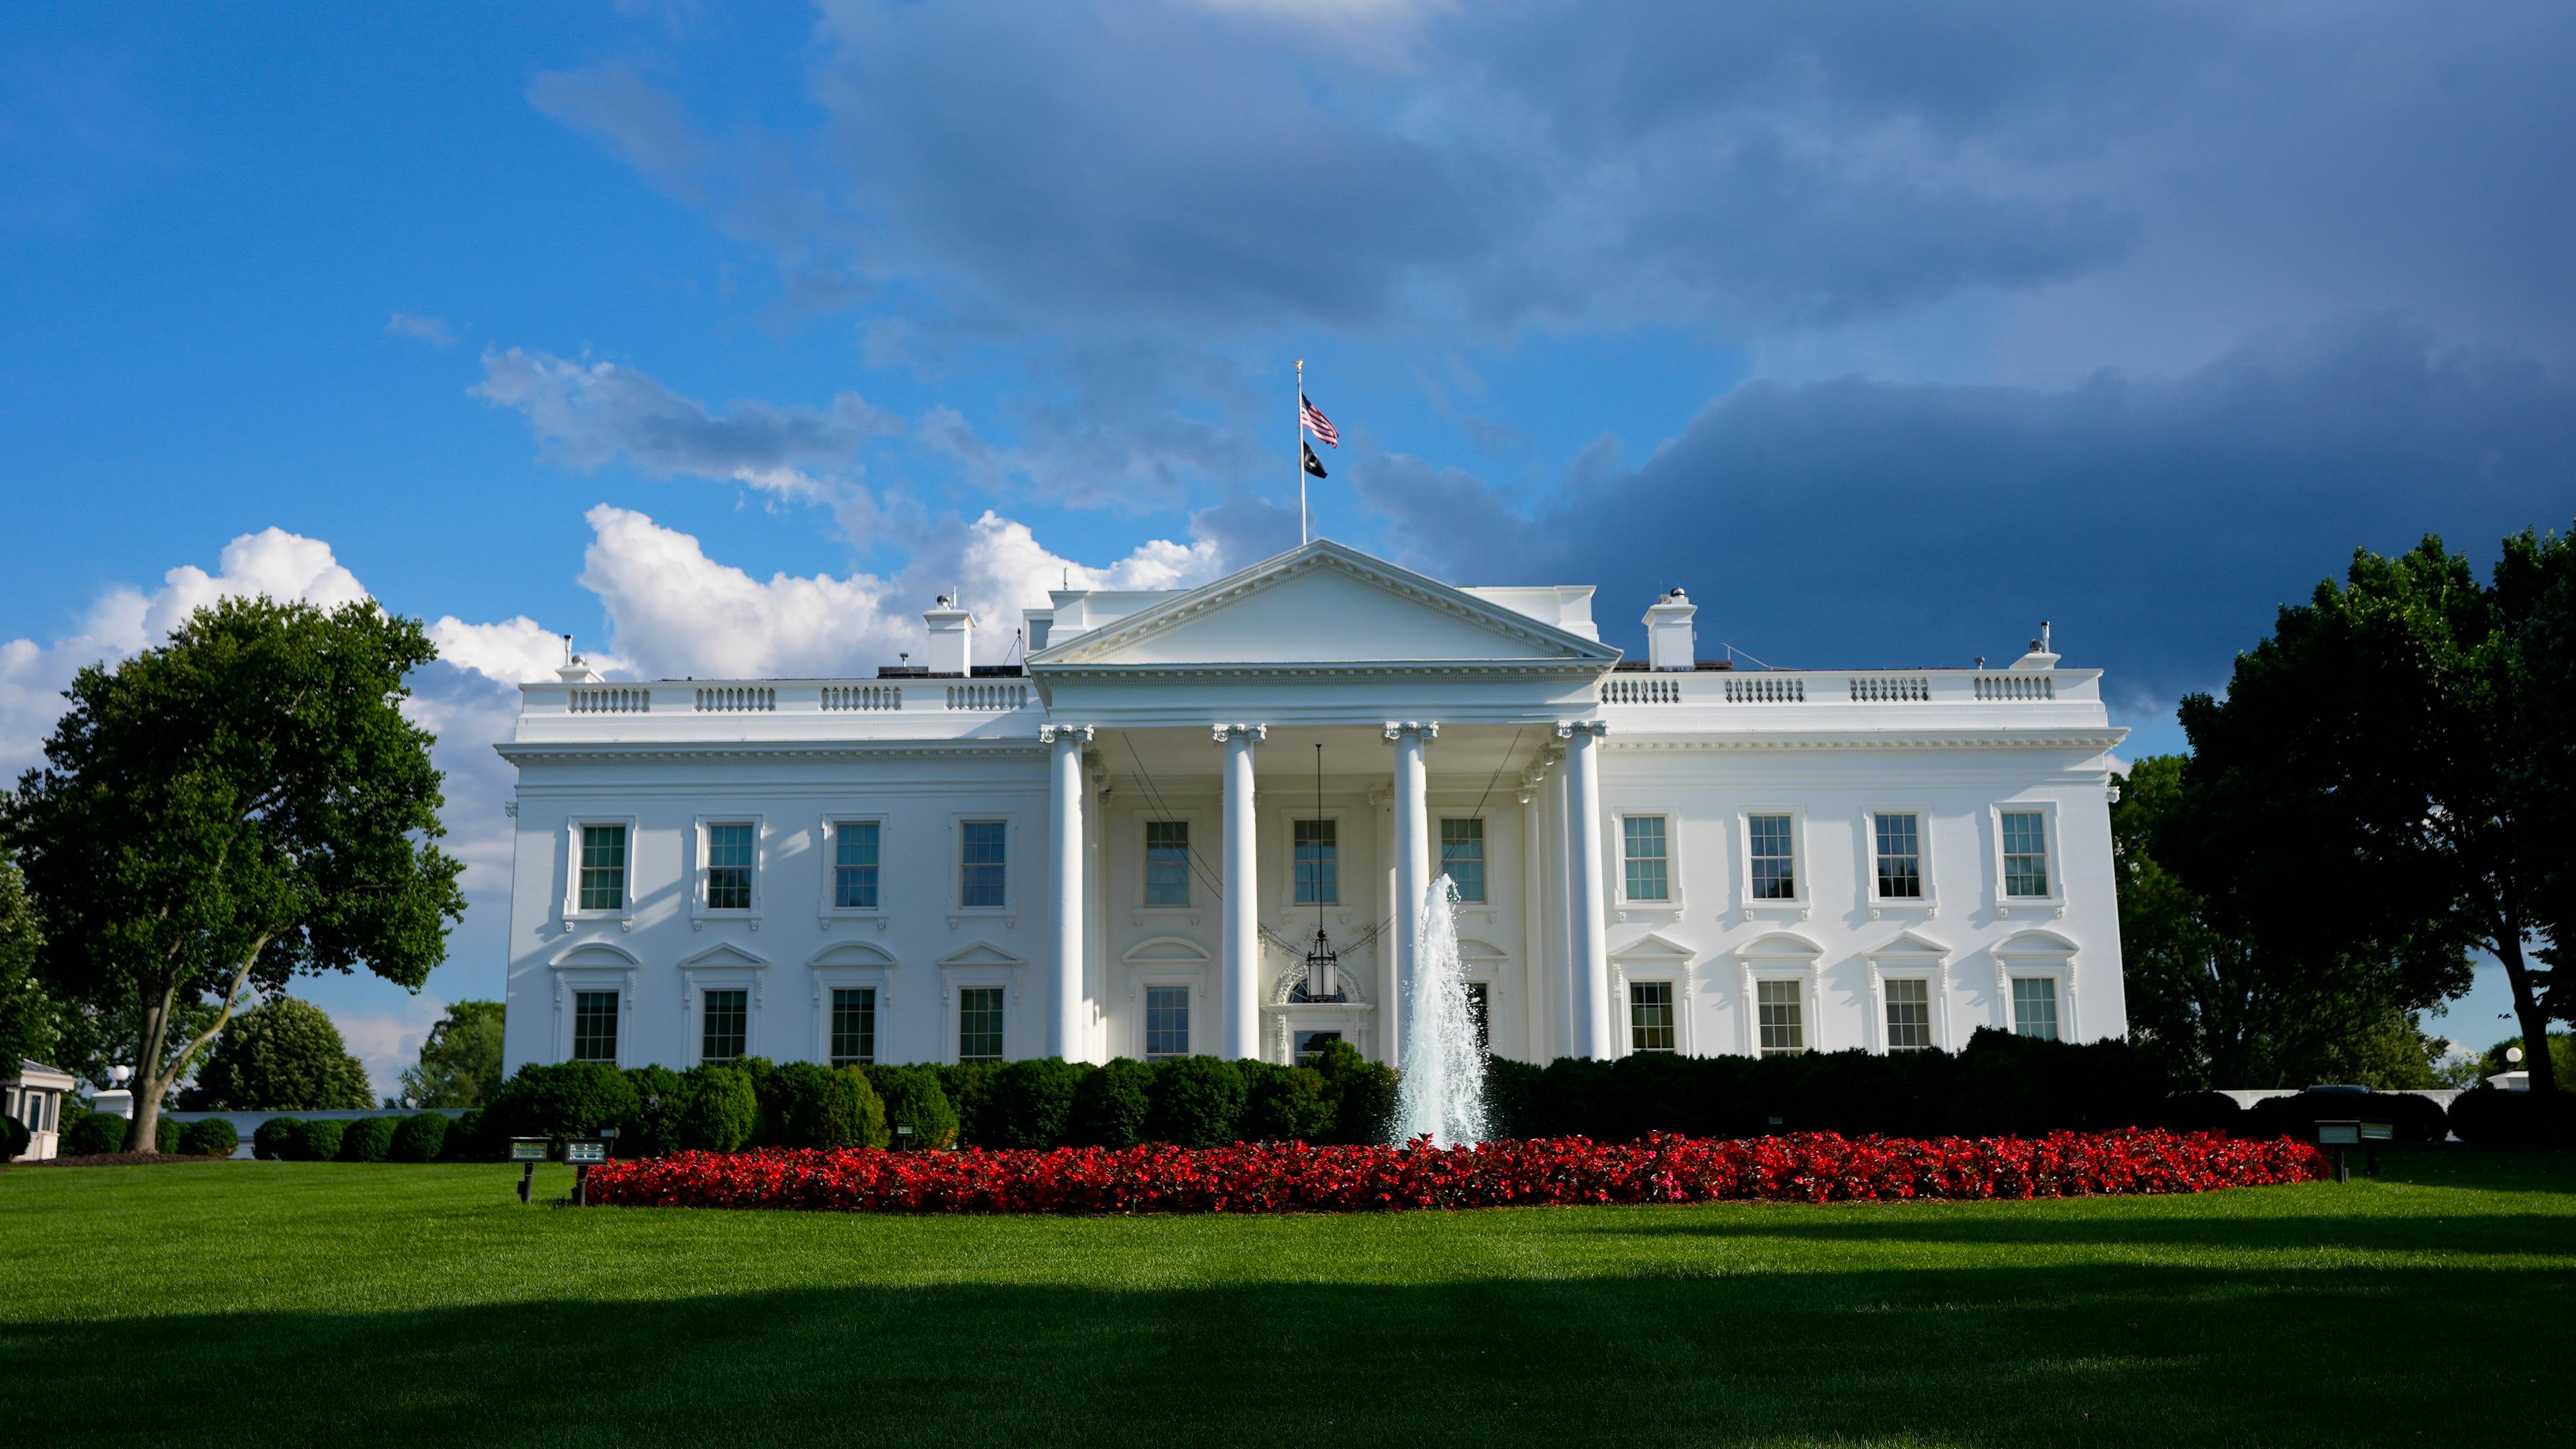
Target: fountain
[{"x": 1442, "y": 1094}]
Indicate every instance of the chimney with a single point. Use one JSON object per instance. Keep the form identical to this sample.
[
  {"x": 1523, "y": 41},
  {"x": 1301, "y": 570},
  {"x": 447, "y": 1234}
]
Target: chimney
[
  {"x": 952, "y": 639},
  {"x": 578, "y": 671},
  {"x": 1671, "y": 643},
  {"x": 2040, "y": 655}
]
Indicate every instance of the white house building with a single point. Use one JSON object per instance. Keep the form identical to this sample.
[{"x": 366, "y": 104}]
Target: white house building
[{"x": 1126, "y": 844}]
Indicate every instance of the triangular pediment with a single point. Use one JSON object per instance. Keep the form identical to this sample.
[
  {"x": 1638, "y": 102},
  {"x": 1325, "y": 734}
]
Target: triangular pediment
[
  {"x": 1652, "y": 947},
  {"x": 1325, "y": 603},
  {"x": 981, "y": 953},
  {"x": 724, "y": 957}
]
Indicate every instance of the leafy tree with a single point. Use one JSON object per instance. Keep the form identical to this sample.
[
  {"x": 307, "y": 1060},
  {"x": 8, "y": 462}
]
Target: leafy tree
[
  {"x": 241, "y": 805},
  {"x": 285, "y": 1054},
  {"x": 31, "y": 1021},
  {"x": 2392, "y": 788},
  {"x": 460, "y": 1062}
]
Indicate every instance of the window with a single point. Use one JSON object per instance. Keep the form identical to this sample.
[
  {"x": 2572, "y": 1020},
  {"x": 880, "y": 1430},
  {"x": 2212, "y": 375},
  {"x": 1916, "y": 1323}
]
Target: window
[
  {"x": 1773, "y": 858},
  {"x": 2035, "y": 1007},
  {"x": 854, "y": 1026},
  {"x": 2025, "y": 853},
  {"x": 1167, "y": 1022},
  {"x": 727, "y": 1024},
  {"x": 603, "y": 868},
  {"x": 1650, "y": 1016},
  {"x": 594, "y": 1026},
  {"x": 1311, "y": 1044},
  {"x": 1167, "y": 862},
  {"x": 1900, "y": 857},
  {"x": 728, "y": 867},
  {"x": 1781, "y": 1016},
  {"x": 1480, "y": 1010},
  {"x": 979, "y": 1024},
  {"x": 854, "y": 866},
  {"x": 982, "y": 882},
  {"x": 1318, "y": 866},
  {"x": 1909, "y": 1015},
  {"x": 1462, "y": 857},
  {"x": 1648, "y": 857}
]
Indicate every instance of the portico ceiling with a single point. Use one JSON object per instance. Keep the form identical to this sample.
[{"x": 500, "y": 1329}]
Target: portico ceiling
[{"x": 1355, "y": 757}]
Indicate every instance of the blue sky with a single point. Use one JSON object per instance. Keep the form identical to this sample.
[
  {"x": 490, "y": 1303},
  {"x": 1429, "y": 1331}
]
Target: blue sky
[{"x": 722, "y": 336}]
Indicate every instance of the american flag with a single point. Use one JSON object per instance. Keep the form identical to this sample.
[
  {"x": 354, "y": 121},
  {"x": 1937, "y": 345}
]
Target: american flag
[{"x": 1316, "y": 423}]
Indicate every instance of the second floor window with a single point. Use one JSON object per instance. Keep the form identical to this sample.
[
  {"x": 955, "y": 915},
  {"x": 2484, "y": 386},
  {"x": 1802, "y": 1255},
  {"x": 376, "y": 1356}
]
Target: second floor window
[
  {"x": 854, "y": 866},
  {"x": 1167, "y": 1022},
  {"x": 1462, "y": 857},
  {"x": 728, "y": 867},
  {"x": 979, "y": 1024},
  {"x": 1648, "y": 857},
  {"x": 727, "y": 1026},
  {"x": 1900, "y": 858},
  {"x": 982, "y": 881},
  {"x": 1773, "y": 857},
  {"x": 603, "y": 868},
  {"x": 2025, "y": 853},
  {"x": 1318, "y": 871},
  {"x": 854, "y": 1026},
  {"x": 1909, "y": 1015},
  {"x": 1650, "y": 1016},
  {"x": 1167, "y": 862}
]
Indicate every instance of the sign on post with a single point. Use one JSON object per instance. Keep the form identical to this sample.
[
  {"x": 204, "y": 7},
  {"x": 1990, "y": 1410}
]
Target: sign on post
[
  {"x": 584, "y": 1153},
  {"x": 528, "y": 1152}
]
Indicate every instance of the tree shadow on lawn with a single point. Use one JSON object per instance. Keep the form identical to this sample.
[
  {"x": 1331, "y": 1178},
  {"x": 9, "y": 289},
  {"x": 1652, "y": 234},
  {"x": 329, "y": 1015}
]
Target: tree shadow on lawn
[
  {"x": 2538, "y": 1235},
  {"x": 2119, "y": 1353}
]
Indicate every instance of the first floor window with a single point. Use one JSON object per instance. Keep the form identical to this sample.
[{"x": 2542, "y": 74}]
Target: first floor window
[
  {"x": 1462, "y": 857},
  {"x": 1648, "y": 857},
  {"x": 594, "y": 1026},
  {"x": 1311, "y": 1044},
  {"x": 854, "y": 1026},
  {"x": 1318, "y": 868},
  {"x": 979, "y": 1024},
  {"x": 1900, "y": 858},
  {"x": 854, "y": 865},
  {"x": 1773, "y": 857},
  {"x": 728, "y": 867},
  {"x": 1650, "y": 1016},
  {"x": 1167, "y": 1022},
  {"x": 603, "y": 868},
  {"x": 1167, "y": 862},
  {"x": 981, "y": 865},
  {"x": 2035, "y": 1007},
  {"x": 1909, "y": 1015},
  {"x": 1480, "y": 1010},
  {"x": 2025, "y": 853},
  {"x": 727, "y": 1026},
  {"x": 1781, "y": 1016}
]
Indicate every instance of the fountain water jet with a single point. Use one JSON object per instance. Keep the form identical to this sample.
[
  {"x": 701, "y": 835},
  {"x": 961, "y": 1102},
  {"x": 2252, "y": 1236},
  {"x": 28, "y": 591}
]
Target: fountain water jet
[{"x": 1442, "y": 1094}]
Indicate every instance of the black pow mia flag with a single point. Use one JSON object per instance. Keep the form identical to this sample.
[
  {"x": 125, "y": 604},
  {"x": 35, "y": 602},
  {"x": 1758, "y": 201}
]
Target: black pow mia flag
[{"x": 1314, "y": 464}]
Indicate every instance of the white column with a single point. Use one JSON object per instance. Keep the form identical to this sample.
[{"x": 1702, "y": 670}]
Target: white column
[
  {"x": 1412, "y": 865},
  {"x": 1592, "y": 1020},
  {"x": 1068, "y": 1026},
  {"x": 1564, "y": 1041},
  {"x": 1539, "y": 1016},
  {"x": 1241, "y": 961}
]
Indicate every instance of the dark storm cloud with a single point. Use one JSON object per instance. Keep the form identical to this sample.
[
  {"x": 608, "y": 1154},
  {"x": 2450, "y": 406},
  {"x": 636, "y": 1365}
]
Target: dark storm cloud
[{"x": 2159, "y": 523}]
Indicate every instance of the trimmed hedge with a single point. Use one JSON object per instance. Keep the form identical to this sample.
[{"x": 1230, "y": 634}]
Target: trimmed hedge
[
  {"x": 1361, "y": 1093},
  {"x": 318, "y": 1140},
  {"x": 421, "y": 1137},
  {"x": 471, "y": 1138},
  {"x": 2487, "y": 1114},
  {"x": 914, "y": 1098},
  {"x": 968, "y": 1086},
  {"x": 209, "y": 1137},
  {"x": 1197, "y": 1102},
  {"x": 1284, "y": 1104},
  {"x": 165, "y": 1136},
  {"x": 1112, "y": 1104},
  {"x": 274, "y": 1139},
  {"x": 14, "y": 1137},
  {"x": 367, "y": 1139},
  {"x": 94, "y": 1134},
  {"x": 564, "y": 1099},
  {"x": 807, "y": 1105},
  {"x": 1030, "y": 1103},
  {"x": 2201, "y": 1112},
  {"x": 2415, "y": 1119}
]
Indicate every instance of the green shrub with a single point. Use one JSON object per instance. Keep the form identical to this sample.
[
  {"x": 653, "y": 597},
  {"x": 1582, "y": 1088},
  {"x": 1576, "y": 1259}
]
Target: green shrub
[
  {"x": 1030, "y": 1103},
  {"x": 1362, "y": 1094},
  {"x": 2415, "y": 1119},
  {"x": 319, "y": 1140},
  {"x": 914, "y": 1098},
  {"x": 564, "y": 1099},
  {"x": 165, "y": 1136},
  {"x": 969, "y": 1089},
  {"x": 272, "y": 1140},
  {"x": 421, "y": 1137},
  {"x": 1197, "y": 1102},
  {"x": 716, "y": 1111},
  {"x": 1112, "y": 1105},
  {"x": 2492, "y": 1115},
  {"x": 815, "y": 1106},
  {"x": 1284, "y": 1104},
  {"x": 654, "y": 1128},
  {"x": 471, "y": 1138},
  {"x": 94, "y": 1134},
  {"x": 14, "y": 1138},
  {"x": 368, "y": 1139},
  {"x": 2200, "y": 1112},
  {"x": 209, "y": 1137}
]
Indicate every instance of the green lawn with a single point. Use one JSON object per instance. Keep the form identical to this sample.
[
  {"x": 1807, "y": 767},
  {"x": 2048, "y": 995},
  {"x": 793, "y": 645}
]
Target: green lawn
[{"x": 266, "y": 1303}]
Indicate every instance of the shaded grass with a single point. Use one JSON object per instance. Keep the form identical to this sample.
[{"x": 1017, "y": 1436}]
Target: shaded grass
[{"x": 264, "y": 1303}]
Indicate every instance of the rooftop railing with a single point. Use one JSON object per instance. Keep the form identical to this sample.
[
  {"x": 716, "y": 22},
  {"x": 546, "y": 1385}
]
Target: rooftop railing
[
  {"x": 820, "y": 696},
  {"x": 1773, "y": 687}
]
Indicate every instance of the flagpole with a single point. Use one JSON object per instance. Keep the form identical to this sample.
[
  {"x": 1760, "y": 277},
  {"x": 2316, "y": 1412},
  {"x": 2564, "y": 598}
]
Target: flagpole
[{"x": 1298, "y": 457}]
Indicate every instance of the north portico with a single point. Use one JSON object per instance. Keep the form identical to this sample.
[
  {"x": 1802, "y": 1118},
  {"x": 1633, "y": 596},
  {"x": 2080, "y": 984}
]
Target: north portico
[{"x": 1125, "y": 843}]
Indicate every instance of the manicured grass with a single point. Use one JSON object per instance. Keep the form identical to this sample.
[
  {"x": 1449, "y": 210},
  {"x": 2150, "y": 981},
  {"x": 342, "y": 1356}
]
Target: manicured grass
[{"x": 266, "y": 1303}]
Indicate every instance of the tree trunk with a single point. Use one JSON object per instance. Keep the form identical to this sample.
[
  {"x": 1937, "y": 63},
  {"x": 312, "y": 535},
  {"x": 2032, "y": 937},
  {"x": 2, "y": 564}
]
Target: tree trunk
[
  {"x": 143, "y": 1134},
  {"x": 2535, "y": 1032}
]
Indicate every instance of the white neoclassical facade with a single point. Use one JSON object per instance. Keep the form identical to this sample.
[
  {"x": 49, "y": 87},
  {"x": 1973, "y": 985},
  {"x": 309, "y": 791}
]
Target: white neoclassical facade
[{"x": 1126, "y": 844}]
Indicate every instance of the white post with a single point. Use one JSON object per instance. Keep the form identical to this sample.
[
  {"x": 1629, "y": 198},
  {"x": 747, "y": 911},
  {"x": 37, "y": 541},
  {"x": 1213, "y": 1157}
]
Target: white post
[
  {"x": 1066, "y": 1031},
  {"x": 1565, "y": 1041},
  {"x": 1583, "y": 848},
  {"x": 1412, "y": 865},
  {"x": 1241, "y": 964},
  {"x": 1298, "y": 457}
]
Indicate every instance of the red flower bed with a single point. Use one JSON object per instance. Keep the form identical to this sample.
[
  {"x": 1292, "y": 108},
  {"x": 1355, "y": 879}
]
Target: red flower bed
[{"x": 1272, "y": 1177}]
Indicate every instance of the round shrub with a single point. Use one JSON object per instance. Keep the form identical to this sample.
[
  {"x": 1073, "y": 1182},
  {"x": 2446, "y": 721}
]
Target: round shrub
[
  {"x": 1285, "y": 1104},
  {"x": 565, "y": 1099},
  {"x": 470, "y": 1138},
  {"x": 96, "y": 1133},
  {"x": 714, "y": 1110},
  {"x": 969, "y": 1089},
  {"x": 1197, "y": 1102},
  {"x": 165, "y": 1137},
  {"x": 1031, "y": 1103},
  {"x": 273, "y": 1140},
  {"x": 814, "y": 1106},
  {"x": 1111, "y": 1105},
  {"x": 209, "y": 1137},
  {"x": 654, "y": 1130},
  {"x": 368, "y": 1139},
  {"x": 2491, "y": 1115},
  {"x": 2413, "y": 1118},
  {"x": 1362, "y": 1094},
  {"x": 318, "y": 1140},
  {"x": 913, "y": 1098},
  {"x": 418, "y": 1138},
  {"x": 14, "y": 1138},
  {"x": 2201, "y": 1112}
]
